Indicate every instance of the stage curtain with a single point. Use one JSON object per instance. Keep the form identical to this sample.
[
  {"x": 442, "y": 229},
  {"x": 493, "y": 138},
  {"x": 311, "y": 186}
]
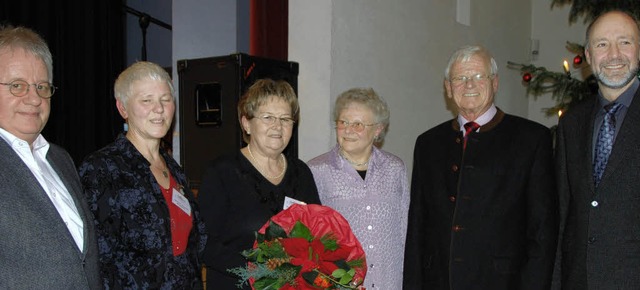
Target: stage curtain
[
  {"x": 269, "y": 28},
  {"x": 86, "y": 39}
]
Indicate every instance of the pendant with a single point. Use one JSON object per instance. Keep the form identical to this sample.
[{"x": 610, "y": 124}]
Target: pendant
[{"x": 165, "y": 174}]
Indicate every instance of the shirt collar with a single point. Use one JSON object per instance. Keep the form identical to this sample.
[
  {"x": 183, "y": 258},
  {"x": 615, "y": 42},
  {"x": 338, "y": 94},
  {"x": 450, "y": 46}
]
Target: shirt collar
[
  {"x": 38, "y": 144},
  {"x": 338, "y": 161},
  {"x": 483, "y": 119},
  {"x": 625, "y": 98}
]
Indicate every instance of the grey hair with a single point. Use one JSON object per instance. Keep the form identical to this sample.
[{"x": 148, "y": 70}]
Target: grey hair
[
  {"x": 142, "y": 70},
  {"x": 27, "y": 39},
  {"x": 465, "y": 53},
  {"x": 369, "y": 98}
]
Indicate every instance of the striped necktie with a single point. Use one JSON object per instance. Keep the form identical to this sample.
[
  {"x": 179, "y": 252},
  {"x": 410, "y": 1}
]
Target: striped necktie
[{"x": 468, "y": 128}]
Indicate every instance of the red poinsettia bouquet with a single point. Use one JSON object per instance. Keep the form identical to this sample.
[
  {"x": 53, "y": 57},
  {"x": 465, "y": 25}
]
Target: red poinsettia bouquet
[{"x": 304, "y": 247}]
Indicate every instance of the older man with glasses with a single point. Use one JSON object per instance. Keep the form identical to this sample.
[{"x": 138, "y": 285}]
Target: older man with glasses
[
  {"x": 483, "y": 211},
  {"x": 48, "y": 238}
]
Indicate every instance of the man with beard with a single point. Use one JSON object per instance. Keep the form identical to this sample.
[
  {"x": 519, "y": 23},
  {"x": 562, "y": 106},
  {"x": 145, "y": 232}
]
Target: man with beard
[{"x": 598, "y": 162}]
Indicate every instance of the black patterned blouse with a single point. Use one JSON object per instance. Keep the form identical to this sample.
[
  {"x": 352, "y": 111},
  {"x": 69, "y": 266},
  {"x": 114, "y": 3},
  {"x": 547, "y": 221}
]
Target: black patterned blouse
[{"x": 133, "y": 224}]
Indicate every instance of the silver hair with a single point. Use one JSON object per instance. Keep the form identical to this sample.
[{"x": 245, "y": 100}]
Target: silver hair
[
  {"x": 465, "y": 53},
  {"x": 369, "y": 98},
  {"x": 27, "y": 39},
  {"x": 142, "y": 70}
]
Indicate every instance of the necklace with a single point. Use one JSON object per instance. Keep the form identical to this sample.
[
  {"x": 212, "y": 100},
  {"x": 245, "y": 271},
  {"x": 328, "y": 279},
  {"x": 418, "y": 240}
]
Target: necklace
[
  {"x": 356, "y": 164},
  {"x": 264, "y": 172},
  {"x": 164, "y": 171}
]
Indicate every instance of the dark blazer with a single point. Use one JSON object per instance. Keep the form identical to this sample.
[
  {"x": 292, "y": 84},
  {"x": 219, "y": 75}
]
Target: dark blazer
[
  {"x": 485, "y": 218},
  {"x": 36, "y": 249},
  {"x": 133, "y": 223},
  {"x": 600, "y": 228}
]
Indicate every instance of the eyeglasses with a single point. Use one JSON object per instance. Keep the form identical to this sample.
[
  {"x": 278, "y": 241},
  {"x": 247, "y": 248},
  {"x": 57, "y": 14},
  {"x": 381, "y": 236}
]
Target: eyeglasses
[
  {"x": 20, "y": 88},
  {"x": 270, "y": 120},
  {"x": 462, "y": 80},
  {"x": 355, "y": 126}
]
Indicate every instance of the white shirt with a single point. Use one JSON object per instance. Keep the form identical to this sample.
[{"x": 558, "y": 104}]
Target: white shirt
[
  {"x": 482, "y": 120},
  {"x": 37, "y": 162}
]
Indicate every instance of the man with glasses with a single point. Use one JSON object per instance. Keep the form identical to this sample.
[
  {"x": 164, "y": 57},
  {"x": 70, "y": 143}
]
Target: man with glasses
[
  {"x": 483, "y": 212},
  {"x": 47, "y": 231}
]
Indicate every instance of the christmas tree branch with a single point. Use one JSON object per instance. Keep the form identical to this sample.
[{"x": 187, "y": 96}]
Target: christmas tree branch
[{"x": 564, "y": 89}]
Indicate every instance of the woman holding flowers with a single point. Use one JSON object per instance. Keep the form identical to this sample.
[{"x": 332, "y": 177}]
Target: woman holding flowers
[
  {"x": 368, "y": 186},
  {"x": 240, "y": 192}
]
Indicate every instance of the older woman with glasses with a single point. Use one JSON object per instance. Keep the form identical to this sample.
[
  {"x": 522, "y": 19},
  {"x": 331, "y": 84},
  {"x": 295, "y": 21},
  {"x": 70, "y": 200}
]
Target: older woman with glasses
[
  {"x": 240, "y": 192},
  {"x": 368, "y": 186}
]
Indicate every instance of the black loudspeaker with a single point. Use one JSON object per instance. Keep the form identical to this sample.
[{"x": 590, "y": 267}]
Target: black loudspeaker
[{"x": 209, "y": 92}]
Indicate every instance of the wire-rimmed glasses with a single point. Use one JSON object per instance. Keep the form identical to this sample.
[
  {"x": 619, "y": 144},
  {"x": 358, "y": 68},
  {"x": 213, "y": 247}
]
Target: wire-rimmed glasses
[
  {"x": 20, "y": 88},
  {"x": 271, "y": 119},
  {"x": 355, "y": 126},
  {"x": 462, "y": 80}
]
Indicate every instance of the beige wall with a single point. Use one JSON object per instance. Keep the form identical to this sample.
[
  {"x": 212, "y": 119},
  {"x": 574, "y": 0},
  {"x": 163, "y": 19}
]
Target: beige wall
[{"x": 399, "y": 48}]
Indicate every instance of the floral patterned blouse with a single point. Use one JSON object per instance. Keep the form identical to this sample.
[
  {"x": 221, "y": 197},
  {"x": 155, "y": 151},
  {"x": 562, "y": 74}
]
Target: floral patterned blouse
[{"x": 133, "y": 223}]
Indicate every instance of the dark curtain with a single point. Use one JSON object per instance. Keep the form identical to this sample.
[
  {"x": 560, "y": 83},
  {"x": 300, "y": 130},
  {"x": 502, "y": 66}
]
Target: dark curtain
[
  {"x": 269, "y": 28},
  {"x": 87, "y": 41}
]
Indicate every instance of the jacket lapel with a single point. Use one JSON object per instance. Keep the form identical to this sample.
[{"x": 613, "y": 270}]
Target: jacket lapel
[
  {"x": 627, "y": 139},
  {"x": 65, "y": 169}
]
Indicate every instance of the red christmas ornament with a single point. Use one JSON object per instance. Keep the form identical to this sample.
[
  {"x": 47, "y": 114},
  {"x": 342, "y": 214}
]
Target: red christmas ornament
[
  {"x": 577, "y": 60},
  {"x": 526, "y": 77}
]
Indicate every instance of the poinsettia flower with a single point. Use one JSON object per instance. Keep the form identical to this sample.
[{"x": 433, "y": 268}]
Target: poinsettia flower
[
  {"x": 300, "y": 284},
  {"x": 303, "y": 229},
  {"x": 311, "y": 255}
]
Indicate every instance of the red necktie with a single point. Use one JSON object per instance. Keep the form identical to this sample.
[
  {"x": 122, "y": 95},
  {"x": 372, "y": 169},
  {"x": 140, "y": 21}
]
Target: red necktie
[{"x": 469, "y": 127}]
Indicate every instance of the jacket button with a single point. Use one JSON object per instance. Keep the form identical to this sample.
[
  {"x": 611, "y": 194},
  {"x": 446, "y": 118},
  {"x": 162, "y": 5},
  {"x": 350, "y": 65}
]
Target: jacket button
[
  {"x": 591, "y": 240},
  {"x": 458, "y": 140},
  {"x": 452, "y": 198},
  {"x": 457, "y": 228},
  {"x": 454, "y": 168}
]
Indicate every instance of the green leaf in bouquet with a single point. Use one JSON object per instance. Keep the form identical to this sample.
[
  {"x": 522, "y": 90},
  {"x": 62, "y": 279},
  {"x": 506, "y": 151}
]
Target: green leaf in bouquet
[
  {"x": 329, "y": 242},
  {"x": 339, "y": 273},
  {"x": 344, "y": 280},
  {"x": 274, "y": 231},
  {"x": 251, "y": 254},
  {"x": 309, "y": 277},
  {"x": 268, "y": 284},
  {"x": 288, "y": 272},
  {"x": 301, "y": 231},
  {"x": 259, "y": 237},
  {"x": 352, "y": 272},
  {"x": 265, "y": 251},
  {"x": 342, "y": 264},
  {"x": 356, "y": 263},
  {"x": 273, "y": 249}
]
